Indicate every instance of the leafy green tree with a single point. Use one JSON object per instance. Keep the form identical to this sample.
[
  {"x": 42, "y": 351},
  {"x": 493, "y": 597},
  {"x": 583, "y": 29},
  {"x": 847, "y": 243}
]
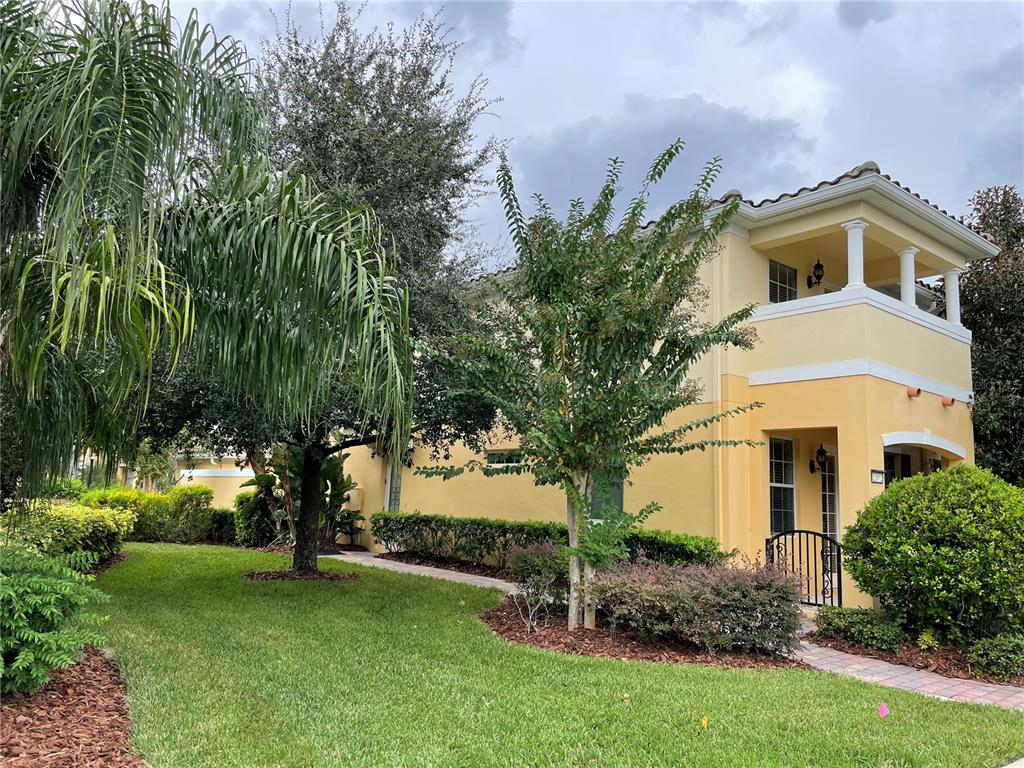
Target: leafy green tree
[
  {"x": 992, "y": 305},
  {"x": 589, "y": 345},
  {"x": 142, "y": 215}
]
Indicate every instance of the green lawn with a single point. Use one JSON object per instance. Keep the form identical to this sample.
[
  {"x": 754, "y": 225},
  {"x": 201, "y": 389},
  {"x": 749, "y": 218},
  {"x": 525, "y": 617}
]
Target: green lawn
[{"x": 394, "y": 670}]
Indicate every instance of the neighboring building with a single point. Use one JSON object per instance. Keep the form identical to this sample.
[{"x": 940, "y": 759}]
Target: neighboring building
[
  {"x": 862, "y": 382},
  {"x": 219, "y": 473}
]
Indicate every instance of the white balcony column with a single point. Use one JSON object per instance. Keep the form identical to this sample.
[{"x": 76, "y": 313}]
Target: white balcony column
[
  {"x": 907, "y": 276},
  {"x": 952, "y": 281},
  {"x": 855, "y": 252}
]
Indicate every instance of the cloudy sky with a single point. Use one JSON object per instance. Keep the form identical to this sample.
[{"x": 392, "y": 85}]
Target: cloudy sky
[{"x": 788, "y": 94}]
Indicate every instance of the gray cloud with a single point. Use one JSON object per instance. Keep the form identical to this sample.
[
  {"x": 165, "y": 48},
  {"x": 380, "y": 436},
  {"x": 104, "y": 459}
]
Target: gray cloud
[
  {"x": 572, "y": 161},
  {"x": 483, "y": 27},
  {"x": 1005, "y": 74},
  {"x": 857, "y": 14}
]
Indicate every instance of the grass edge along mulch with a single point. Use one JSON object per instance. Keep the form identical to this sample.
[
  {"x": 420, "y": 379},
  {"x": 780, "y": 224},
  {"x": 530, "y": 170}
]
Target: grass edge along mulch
[
  {"x": 948, "y": 661},
  {"x": 301, "y": 576},
  {"x": 625, "y": 645},
  {"x": 79, "y": 719}
]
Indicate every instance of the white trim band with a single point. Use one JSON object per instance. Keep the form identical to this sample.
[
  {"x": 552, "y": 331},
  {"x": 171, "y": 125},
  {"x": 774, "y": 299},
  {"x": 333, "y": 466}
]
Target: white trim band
[
  {"x": 854, "y": 295},
  {"x": 925, "y": 438},
  {"x": 859, "y": 367},
  {"x": 236, "y": 472}
]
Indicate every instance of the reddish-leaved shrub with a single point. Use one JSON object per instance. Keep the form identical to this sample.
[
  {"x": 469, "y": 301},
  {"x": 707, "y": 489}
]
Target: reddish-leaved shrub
[{"x": 749, "y": 607}]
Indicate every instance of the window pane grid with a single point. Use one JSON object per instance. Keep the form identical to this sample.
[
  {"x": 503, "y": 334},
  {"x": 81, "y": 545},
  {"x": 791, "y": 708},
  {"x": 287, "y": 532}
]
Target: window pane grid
[
  {"x": 781, "y": 282},
  {"x": 782, "y": 489}
]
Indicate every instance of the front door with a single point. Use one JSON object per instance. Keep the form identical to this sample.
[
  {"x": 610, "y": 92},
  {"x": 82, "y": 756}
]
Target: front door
[{"x": 829, "y": 516}]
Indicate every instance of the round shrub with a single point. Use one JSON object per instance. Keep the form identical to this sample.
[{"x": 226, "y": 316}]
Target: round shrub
[
  {"x": 999, "y": 656},
  {"x": 254, "y": 525},
  {"x": 43, "y": 618},
  {"x": 944, "y": 551},
  {"x": 190, "y": 508}
]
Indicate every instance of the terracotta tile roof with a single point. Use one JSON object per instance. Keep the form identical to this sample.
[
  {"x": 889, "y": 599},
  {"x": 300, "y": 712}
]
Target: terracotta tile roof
[{"x": 865, "y": 168}]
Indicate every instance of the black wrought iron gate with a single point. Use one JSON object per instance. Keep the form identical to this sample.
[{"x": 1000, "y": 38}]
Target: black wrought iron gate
[{"x": 816, "y": 558}]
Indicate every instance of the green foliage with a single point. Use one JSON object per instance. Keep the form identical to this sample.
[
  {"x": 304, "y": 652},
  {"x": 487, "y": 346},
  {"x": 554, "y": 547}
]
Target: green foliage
[
  {"x": 254, "y": 525},
  {"x": 1000, "y": 656},
  {"x": 184, "y": 207},
  {"x": 539, "y": 572},
  {"x": 183, "y": 515},
  {"x": 493, "y": 541},
  {"x": 66, "y": 488},
  {"x": 992, "y": 303},
  {"x": 190, "y": 509},
  {"x": 927, "y": 641},
  {"x": 752, "y": 608},
  {"x": 944, "y": 551},
  {"x": 862, "y": 626},
  {"x": 61, "y": 529},
  {"x": 222, "y": 526},
  {"x": 43, "y": 618}
]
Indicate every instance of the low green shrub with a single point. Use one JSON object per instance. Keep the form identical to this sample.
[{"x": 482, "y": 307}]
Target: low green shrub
[
  {"x": 944, "y": 551},
  {"x": 43, "y": 618},
  {"x": 1000, "y": 656},
  {"x": 222, "y": 525},
  {"x": 60, "y": 529},
  {"x": 491, "y": 541},
  {"x": 190, "y": 507},
  {"x": 254, "y": 525},
  {"x": 541, "y": 574},
  {"x": 66, "y": 488},
  {"x": 862, "y": 626},
  {"x": 183, "y": 515},
  {"x": 749, "y": 607}
]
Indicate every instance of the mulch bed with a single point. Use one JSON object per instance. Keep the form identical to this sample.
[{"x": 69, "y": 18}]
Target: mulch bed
[
  {"x": 110, "y": 562},
  {"x": 947, "y": 660},
  {"x": 77, "y": 720},
  {"x": 287, "y": 549},
  {"x": 626, "y": 645},
  {"x": 449, "y": 563},
  {"x": 300, "y": 576}
]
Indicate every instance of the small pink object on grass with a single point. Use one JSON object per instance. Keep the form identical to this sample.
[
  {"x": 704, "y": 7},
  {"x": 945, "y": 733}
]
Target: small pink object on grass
[{"x": 883, "y": 709}]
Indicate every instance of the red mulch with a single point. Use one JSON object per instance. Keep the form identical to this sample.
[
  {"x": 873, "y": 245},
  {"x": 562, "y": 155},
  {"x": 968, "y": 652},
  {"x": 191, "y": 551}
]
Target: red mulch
[
  {"x": 947, "y": 660},
  {"x": 277, "y": 549},
  {"x": 449, "y": 563},
  {"x": 77, "y": 720},
  {"x": 626, "y": 645},
  {"x": 330, "y": 549},
  {"x": 300, "y": 576}
]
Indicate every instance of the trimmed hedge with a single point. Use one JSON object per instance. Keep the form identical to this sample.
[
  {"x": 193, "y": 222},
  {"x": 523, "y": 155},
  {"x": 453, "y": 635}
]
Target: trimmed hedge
[
  {"x": 184, "y": 515},
  {"x": 222, "y": 525},
  {"x": 254, "y": 526},
  {"x": 490, "y": 541},
  {"x": 61, "y": 529},
  {"x": 863, "y": 626},
  {"x": 753, "y": 608},
  {"x": 944, "y": 552},
  {"x": 1000, "y": 656}
]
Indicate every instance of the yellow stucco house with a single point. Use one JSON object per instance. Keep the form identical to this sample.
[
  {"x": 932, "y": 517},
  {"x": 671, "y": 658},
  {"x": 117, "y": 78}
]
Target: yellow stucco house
[{"x": 862, "y": 382}]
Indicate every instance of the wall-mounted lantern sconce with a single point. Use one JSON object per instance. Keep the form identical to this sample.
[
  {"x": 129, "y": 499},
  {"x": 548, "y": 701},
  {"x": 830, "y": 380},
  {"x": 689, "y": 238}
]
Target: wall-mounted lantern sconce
[
  {"x": 818, "y": 462},
  {"x": 817, "y": 274},
  {"x": 936, "y": 463}
]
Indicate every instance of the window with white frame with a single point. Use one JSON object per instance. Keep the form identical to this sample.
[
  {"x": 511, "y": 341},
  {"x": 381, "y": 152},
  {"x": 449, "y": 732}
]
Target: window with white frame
[
  {"x": 782, "y": 485},
  {"x": 506, "y": 458},
  {"x": 781, "y": 282}
]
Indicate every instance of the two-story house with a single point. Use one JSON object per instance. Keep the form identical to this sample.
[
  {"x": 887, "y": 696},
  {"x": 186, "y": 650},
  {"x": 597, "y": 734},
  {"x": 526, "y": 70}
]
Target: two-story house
[{"x": 862, "y": 381}]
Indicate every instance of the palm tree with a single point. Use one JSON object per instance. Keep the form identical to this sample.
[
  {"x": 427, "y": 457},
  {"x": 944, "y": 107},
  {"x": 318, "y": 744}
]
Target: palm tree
[{"x": 141, "y": 215}]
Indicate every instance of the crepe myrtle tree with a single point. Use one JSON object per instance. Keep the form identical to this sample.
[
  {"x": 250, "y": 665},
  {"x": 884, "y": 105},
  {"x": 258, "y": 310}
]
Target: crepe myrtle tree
[{"x": 587, "y": 346}]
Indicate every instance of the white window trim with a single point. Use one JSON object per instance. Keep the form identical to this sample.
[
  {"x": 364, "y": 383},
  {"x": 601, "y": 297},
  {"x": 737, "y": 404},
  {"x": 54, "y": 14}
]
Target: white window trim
[
  {"x": 783, "y": 286},
  {"x": 792, "y": 485},
  {"x": 236, "y": 472},
  {"x": 833, "y": 450},
  {"x": 924, "y": 439}
]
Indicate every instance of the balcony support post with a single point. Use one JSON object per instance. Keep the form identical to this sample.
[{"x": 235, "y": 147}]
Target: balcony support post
[
  {"x": 855, "y": 252},
  {"x": 907, "y": 276},
  {"x": 952, "y": 282}
]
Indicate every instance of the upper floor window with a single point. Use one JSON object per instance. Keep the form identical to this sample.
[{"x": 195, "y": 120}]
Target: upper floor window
[
  {"x": 504, "y": 458},
  {"x": 781, "y": 282}
]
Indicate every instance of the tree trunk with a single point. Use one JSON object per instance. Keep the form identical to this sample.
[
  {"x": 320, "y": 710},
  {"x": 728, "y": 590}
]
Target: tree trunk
[
  {"x": 310, "y": 497},
  {"x": 575, "y": 606},
  {"x": 589, "y": 605}
]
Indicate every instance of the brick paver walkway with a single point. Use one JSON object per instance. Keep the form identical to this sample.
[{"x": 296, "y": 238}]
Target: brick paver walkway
[
  {"x": 371, "y": 559},
  {"x": 825, "y": 659},
  {"x": 909, "y": 679}
]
